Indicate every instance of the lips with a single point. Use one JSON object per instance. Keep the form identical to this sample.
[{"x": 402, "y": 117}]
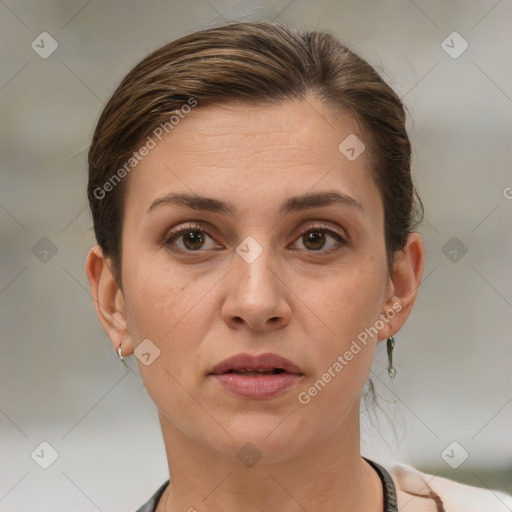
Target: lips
[
  {"x": 249, "y": 365},
  {"x": 261, "y": 377}
]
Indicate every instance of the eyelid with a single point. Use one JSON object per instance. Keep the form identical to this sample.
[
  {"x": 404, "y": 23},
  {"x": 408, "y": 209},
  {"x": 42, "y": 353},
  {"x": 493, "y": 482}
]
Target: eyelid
[{"x": 322, "y": 225}]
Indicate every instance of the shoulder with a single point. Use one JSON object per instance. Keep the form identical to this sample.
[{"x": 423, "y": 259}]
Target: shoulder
[{"x": 438, "y": 494}]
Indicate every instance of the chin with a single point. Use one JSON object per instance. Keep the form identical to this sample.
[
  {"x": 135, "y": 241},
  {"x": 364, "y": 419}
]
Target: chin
[{"x": 263, "y": 436}]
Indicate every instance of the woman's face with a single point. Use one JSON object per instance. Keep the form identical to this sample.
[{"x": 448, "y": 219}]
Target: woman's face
[{"x": 268, "y": 263}]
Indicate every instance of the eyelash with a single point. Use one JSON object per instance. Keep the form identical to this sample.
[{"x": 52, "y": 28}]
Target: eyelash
[{"x": 319, "y": 228}]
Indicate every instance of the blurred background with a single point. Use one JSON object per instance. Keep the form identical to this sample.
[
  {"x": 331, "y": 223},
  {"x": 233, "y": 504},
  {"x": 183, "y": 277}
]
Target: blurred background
[{"x": 67, "y": 403}]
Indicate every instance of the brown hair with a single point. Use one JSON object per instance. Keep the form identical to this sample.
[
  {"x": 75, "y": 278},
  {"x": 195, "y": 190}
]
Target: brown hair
[{"x": 253, "y": 62}]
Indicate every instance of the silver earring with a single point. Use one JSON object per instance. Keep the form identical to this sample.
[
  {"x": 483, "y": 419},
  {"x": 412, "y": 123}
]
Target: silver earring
[
  {"x": 391, "y": 345},
  {"x": 119, "y": 351}
]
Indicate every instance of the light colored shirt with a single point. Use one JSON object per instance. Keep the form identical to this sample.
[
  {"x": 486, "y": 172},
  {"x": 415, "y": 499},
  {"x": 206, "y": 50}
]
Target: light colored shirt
[{"x": 421, "y": 492}]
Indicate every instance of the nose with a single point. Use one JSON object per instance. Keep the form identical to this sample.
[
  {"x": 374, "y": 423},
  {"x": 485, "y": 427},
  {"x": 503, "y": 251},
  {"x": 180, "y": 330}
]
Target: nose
[{"x": 257, "y": 295}]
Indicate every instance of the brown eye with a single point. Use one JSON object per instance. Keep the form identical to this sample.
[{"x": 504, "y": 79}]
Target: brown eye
[
  {"x": 193, "y": 238},
  {"x": 315, "y": 239}
]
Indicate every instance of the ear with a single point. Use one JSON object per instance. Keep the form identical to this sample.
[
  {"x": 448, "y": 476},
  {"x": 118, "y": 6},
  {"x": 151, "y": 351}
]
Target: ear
[
  {"x": 108, "y": 300},
  {"x": 403, "y": 285}
]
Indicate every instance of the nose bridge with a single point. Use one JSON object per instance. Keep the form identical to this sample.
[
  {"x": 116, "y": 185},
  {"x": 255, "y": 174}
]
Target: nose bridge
[
  {"x": 255, "y": 293},
  {"x": 254, "y": 264}
]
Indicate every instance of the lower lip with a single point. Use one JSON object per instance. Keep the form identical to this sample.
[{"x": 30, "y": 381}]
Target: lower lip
[{"x": 262, "y": 386}]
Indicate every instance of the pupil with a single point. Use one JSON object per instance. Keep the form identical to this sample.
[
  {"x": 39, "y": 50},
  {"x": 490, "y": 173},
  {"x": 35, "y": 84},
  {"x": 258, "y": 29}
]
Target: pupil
[
  {"x": 199, "y": 239},
  {"x": 315, "y": 237}
]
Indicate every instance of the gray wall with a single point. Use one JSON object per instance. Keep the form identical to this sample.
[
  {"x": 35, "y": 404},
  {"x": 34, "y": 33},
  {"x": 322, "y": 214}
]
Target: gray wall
[{"x": 60, "y": 380}]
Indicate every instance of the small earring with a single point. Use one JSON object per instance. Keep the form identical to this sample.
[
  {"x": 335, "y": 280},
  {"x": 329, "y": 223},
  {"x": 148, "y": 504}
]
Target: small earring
[
  {"x": 391, "y": 345},
  {"x": 119, "y": 351}
]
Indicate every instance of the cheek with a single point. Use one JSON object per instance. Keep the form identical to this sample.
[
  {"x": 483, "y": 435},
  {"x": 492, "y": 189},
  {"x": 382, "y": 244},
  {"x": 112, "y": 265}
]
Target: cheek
[
  {"x": 170, "y": 307},
  {"x": 343, "y": 346},
  {"x": 347, "y": 307},
  {"x": 165, "y": 307},
  {"x": 349, "y": 300},
  {"x": 158, "y": 297}
]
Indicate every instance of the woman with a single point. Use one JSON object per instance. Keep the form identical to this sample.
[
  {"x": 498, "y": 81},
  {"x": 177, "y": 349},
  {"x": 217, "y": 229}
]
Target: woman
[{"x": 253, "y": 205}]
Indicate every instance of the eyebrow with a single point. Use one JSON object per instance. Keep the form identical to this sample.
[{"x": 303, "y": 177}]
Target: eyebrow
[{"x": 292, "y": 204}]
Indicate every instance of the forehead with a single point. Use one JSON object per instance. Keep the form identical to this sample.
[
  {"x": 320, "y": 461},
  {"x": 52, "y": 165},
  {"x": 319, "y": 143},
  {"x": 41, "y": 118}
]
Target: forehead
[
  {"x": 288, "y": 128},
  {"x": 252, "y": 151}
]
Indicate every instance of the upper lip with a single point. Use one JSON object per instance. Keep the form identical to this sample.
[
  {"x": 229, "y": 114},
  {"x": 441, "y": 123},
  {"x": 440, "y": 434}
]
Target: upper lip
[{"x": 261, "y": 362}]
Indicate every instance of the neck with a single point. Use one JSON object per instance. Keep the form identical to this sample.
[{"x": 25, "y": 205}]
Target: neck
[{"x": 331, "y": 475}]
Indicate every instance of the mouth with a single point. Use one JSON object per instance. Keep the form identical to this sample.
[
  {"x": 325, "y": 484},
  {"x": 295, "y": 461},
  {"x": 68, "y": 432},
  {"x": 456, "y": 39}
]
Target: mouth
[
  {"x": 257, "y": 377},
  {"x": 256, "y": 365},
  {"x": 257, "y": 373}
]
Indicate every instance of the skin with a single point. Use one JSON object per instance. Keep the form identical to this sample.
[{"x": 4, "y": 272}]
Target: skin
[{"x": 304, "y": 304}]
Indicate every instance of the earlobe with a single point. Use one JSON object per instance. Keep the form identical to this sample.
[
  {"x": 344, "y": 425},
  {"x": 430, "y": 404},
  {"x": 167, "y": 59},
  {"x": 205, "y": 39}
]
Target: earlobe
[
  {"x": 404, "y": 284},
  {"x": 108, "y": 300}
]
